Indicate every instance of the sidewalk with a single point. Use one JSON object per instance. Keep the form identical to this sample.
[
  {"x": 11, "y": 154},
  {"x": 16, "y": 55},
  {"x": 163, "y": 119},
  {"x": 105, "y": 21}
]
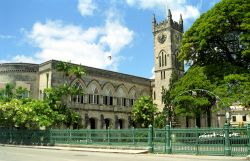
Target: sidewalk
[
  {"x": 129, "y": 151},
  {"x": 87, "y": 149}
]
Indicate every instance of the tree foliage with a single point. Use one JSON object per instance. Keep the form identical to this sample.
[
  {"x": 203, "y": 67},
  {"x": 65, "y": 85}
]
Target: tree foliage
[
  {"x": 28, "y": 113},
  {"x": 57, "y": 97},
  {"x": 144, "y": 111},
  {"x": 217, "y": 45},
  {"x": 17, "y": 111},
  {"x": 220, "y": 35},
  {"x": 188, "y": 99}
]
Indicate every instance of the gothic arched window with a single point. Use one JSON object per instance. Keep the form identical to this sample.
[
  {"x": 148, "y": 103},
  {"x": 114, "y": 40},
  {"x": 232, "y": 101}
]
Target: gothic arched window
[
  {"x": 165, "y": 56},
  {"x": 162, "y": 58},
  {"x": 108, "y": 98},
  {"x": 94, "y": 97},
  {"x": 159, "y": 61},
  {"x": 79, "y": 97}
]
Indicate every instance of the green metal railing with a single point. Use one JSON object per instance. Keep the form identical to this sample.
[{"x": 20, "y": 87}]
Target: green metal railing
[{"x": 201, "y": 141}]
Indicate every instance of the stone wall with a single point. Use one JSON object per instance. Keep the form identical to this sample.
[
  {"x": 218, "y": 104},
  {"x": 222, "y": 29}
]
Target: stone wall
[{"x": 20, "y": 74}]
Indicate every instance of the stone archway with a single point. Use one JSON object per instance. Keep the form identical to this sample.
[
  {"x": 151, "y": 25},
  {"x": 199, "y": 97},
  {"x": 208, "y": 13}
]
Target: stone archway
[{"x": 92, "y": 122}]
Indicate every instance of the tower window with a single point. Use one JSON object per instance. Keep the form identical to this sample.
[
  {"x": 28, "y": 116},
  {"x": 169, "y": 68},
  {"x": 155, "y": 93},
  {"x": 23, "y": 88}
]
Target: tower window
[
  {"x": 164, "y": 75},
  {"x": 160, "y": 61},
  {"x": 154, "y": 95},
  {"x": 165, "y": 60},
  {"x": 162, "y": 58}
]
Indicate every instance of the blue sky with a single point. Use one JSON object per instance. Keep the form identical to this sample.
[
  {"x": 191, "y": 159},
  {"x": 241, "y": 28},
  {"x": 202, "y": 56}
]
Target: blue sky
[{"x": 89, "y": 31}]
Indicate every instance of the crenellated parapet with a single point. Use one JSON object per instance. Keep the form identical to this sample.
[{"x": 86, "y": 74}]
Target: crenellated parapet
[
  {"x": 160, "y": 26},
  {"x": 19, "y": 67}
]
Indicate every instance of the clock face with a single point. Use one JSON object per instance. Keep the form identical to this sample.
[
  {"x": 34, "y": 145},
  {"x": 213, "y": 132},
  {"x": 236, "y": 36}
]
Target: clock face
[{"x": 161, "y": 38}]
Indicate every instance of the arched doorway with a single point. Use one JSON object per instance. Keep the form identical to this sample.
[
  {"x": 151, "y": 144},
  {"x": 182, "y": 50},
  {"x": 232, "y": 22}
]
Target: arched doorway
[
  {"x": 107, "y": 123},
  {"x": 92, "y": 122},
  {"x": 120, "y": 124}
]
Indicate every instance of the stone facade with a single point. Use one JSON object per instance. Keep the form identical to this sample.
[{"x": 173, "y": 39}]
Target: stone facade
[
  {"x": 167, "y": 36},
  {"x": 108, "y": 97}
]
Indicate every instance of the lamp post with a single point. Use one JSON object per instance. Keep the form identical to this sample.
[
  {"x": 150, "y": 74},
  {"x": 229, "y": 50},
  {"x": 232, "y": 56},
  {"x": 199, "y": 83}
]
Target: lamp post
[{"x": 227, "y": 117}]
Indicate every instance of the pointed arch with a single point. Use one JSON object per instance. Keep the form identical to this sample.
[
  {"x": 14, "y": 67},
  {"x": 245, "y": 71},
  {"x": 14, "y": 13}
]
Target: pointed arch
[
  {"x": 144, "y": 92},
  {"x": 108, "y": 93},
  {"x": 162, "y": 55},
  {"x": 122, "y": 95},
  {"x": 92, "y": 85},
  {"x": 132, "y": 92},
  {"x": 108, "y": 88},
  {"x": 79, "y": 81},
  {"x": 93, "y": 92},
  {"x": 132, "y": 96},
  {"x": 79, "y": 96},
  {"x": 122, "y": 90}
]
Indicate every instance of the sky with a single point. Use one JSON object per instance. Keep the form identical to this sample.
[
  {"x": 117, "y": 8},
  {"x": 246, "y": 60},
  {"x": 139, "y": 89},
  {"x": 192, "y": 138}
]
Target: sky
[{"x": 89, "y": 32}]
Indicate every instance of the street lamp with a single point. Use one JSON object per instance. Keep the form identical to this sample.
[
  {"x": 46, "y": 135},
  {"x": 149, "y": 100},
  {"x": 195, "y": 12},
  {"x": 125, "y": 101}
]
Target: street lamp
[{"x": 227, "y": 115}]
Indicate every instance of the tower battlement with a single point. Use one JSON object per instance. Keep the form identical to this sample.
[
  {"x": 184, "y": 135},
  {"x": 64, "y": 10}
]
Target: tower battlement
[{"x": 167, "y": 23}]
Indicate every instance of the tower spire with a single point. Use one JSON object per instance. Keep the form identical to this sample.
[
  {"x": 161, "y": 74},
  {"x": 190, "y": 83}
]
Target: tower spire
[
  {"x": 153, "y": 22},
  {"x": 181, "y": 22},
  {"x": 169, "y": 15}
]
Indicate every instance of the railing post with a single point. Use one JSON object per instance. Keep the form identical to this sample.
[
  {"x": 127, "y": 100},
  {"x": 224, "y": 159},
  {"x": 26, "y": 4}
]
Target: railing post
[
  {"x": 133, "y": 135},
  {"x": 108, "y": 136},
  {"x": 227, "y": 140},
  {"x": 168, "y": 148},
  {"x": 248, "y": 134},
  {"x": 197, "y": 139},
  {"x": 150, "y": 139}
]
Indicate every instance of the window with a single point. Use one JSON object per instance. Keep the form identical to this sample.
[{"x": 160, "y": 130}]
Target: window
[
  {"x": 154, "y": 95},
  {"x": 119, "y": 101},
  {"x": 159, "y": 61},
  {"x": 162, "y": 58},
  {"x": 165, "y": 60},
  {"x": 164, "y": 75},
  {"x": 234, "y": 118},
  {"x": 107, "y": 100},
  {"x": 110, "y": 100},
  {"x": 131, "y": 102},
  {"x": 78, "y": 98},
  {"x": 244, "y": 118},
  {"x": 94, "y": 98},
  {"x": 124, "y": 102}
]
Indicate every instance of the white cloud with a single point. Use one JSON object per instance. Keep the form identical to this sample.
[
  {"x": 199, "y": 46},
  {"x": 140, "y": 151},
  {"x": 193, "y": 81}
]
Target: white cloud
[
  {"x": 86, "y": 7},
  {"x": 90, "y": 47},
  {"x": 20, "y": 59},
  {"x": 177, "y": 7},
  {"x": 6, "y": 36}
]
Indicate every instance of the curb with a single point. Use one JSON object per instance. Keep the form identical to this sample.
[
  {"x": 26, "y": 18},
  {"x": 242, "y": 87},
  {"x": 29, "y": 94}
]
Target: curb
[{"x": 122, "y": 151}]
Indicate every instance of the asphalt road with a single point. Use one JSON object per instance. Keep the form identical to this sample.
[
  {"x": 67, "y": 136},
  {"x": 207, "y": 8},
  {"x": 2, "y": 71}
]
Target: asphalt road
[{"x": 29, "y": 154}]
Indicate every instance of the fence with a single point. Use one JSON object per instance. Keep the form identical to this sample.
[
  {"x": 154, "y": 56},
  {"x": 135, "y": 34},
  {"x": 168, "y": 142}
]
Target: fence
[{"x": 200, "y": 141}]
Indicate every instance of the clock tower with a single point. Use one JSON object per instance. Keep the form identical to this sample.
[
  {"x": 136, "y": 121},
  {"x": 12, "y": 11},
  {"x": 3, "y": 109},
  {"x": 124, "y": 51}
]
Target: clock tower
[{"x": 167, "y": 36}]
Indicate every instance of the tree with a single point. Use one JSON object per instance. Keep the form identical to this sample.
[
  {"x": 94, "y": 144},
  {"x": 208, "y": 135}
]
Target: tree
[
  {"x": 28, "y": 113},
  {"x": 220, "y": 35},
  {"x": 167, "y": 114},
  {"x": 57, "y": 97},
  {"x": 7, "y": 92},
  {"x": 192, "y": 104},
  {"x": 217, "y": 46},
  {"x": 144, "y": 111}
]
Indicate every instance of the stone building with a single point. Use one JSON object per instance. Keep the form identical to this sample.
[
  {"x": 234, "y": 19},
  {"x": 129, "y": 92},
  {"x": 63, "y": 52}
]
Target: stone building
[{"x": 108, "y": 96}]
